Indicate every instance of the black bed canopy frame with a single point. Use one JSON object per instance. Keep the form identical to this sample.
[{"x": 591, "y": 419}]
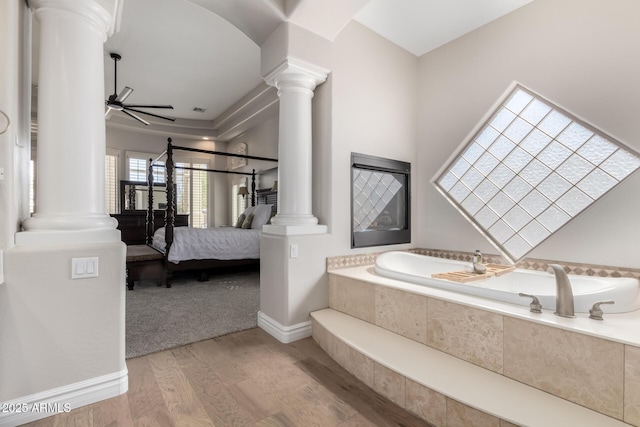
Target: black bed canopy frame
[
  {"x": 170, "y": 167},
  {"x": 171, "y": 202}
]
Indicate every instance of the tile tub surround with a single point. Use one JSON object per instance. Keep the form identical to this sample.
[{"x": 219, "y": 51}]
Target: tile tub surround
[
  {"x": 441, "y": 389},
  {"x": 348, "y": 261},
  {"x": 465, "y": 332},
  {"x": 632, "y": 385},
  {"x": 584, "y": 369},
  {"x": 604, "y": 368}
]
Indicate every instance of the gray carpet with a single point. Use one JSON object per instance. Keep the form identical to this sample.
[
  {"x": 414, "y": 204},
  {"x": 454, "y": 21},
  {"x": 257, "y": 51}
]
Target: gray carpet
[{"x": 158, "y": 318}]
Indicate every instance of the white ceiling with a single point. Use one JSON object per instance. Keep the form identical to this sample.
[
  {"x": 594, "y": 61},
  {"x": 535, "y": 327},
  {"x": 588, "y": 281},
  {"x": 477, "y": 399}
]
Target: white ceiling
[
  {"x": 420, "y": 26},
  {"x": 204, "y": 53},
  {"x": 174, "y": 52}
]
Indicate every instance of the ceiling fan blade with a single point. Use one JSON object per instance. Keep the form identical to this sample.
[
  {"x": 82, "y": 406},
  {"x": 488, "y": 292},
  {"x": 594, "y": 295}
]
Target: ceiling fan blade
[
  {"x": 108, "y": 113},
  {"x": 141, "y": 120},
  {"x": 124, "y": 94},
  {"x": 126, "y": 108},
  {"x": 149, "y": 106}
]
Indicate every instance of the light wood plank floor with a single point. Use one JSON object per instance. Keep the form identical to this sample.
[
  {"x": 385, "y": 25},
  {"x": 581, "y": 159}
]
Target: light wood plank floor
[{"x": 243, "y": 379}]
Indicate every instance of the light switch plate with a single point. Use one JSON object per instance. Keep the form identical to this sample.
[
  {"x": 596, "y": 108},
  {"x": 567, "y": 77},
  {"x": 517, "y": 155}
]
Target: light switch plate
[{"x": 82, "y": 268}]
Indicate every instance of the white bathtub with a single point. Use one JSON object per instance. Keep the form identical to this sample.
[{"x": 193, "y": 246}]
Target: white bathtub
[{"x": 587, "y": 290}]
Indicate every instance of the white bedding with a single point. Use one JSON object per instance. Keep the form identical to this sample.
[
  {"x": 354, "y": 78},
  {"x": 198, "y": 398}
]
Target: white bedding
[{"x": 224, "y": 243}]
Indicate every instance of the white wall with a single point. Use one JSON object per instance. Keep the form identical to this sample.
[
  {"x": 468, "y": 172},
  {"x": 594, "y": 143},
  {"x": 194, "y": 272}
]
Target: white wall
[
  {"x": 367, "y": 105},
  {"x": 125, "y": 140},
  {"x": 262, "y": 141},
  {"x": 580, "y": 54},
  {"x": 57, "y": 331},
  {"x": 373, "y": 111}
]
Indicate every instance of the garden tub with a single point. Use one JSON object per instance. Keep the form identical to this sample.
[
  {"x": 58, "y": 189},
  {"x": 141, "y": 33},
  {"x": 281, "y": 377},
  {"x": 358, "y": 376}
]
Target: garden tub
[{"x": 587, "y": 290}]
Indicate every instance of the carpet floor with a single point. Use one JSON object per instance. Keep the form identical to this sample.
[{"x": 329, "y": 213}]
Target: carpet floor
[{"x": 158, "y": 318}]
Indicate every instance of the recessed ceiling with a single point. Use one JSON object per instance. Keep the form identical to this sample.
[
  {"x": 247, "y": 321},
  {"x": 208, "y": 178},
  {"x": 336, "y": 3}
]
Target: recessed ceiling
[
  {"x": 175, "y": 52},
  {"x": 192, "y": 53},
  {"x": 420, "y": 26}
]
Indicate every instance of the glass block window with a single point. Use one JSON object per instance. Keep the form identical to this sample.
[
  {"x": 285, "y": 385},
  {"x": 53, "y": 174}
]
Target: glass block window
[{"x": 530, "y": 169}]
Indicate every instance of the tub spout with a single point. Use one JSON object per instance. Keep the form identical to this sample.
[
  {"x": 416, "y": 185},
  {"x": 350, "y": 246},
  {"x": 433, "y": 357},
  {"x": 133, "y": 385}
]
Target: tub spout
[{"x": 564, "y": 294}]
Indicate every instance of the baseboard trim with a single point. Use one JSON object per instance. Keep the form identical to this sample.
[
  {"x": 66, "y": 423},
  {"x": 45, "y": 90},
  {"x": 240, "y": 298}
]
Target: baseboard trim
[
  {"x": 284, "y": 334},
  {"x": 61, "y": 399}
]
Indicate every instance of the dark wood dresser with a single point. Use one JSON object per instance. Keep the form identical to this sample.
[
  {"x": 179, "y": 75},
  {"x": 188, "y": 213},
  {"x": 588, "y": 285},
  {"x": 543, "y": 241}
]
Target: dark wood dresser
[{"x": 132, "y": 225}]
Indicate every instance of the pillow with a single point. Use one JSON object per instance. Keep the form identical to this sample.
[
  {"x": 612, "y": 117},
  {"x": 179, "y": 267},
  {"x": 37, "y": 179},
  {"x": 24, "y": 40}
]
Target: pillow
[
  {"x": 261, "y": 215},
  {"x": 240, "y": 220},
  {"x": 247, "y": 222},
  {"x": 248, "y": 211}
]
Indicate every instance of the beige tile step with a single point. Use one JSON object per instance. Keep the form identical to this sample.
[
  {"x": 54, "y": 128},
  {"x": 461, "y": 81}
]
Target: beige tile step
[{"x": 464, "y": 382}]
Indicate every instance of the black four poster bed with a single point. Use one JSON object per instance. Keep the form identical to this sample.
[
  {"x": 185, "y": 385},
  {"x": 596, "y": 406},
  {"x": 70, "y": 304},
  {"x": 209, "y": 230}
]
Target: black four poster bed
[{"x": 203, "y": 249}]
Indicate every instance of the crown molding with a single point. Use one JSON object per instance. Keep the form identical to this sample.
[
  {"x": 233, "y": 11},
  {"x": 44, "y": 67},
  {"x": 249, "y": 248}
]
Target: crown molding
[{"x": 257, "y": 106}]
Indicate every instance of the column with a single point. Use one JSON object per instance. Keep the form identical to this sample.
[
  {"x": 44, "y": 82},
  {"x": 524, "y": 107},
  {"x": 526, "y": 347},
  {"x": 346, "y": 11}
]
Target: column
[
  {"x": 295, "y": 81},
  {"x": 71, "y": 124}
]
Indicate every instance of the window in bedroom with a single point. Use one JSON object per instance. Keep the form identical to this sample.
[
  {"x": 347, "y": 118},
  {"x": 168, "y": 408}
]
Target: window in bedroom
[
  {"x": 138, "y": 168},
  {"x": 111, "y": 182},
  {"x": 191, "y": 192},
  {"x": 191, "y": 185},
  {"x": 32, "y": 186},
  {"x": 529, "y": 170}
]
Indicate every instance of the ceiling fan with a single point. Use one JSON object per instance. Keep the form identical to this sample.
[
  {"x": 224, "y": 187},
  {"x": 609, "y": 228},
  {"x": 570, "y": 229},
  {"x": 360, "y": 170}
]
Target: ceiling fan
[{"x": 116, "y": 102}]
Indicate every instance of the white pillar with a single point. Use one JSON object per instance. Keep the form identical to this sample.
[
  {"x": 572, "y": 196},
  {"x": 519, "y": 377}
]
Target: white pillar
[
  {"x": 71, "y": 124},
  {"x": 295, "y": 81}
]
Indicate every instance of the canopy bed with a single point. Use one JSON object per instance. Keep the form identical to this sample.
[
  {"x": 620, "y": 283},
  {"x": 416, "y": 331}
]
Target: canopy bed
[{"x": 203, "y": 249}]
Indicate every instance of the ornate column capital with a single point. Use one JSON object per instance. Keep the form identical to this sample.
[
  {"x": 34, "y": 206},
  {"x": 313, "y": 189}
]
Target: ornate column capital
[
  {"x": 295, "y": 81},
  {"x": 295, "y": 73},
  {"x": 102, "y": 15}
]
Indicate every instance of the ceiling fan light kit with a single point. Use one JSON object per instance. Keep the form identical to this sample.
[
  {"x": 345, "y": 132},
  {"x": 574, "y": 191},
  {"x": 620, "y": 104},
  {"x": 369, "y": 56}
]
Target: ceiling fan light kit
[{"x": 116, "y": 101}]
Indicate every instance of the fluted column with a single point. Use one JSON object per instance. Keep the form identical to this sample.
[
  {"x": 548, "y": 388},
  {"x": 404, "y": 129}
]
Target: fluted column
[
  {"x": 295, "y": 81},
  {"x": 71, "y": 124}
]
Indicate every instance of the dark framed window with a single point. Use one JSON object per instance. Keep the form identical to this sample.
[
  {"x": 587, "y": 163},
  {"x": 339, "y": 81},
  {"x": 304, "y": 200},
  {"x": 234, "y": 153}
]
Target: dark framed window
[{"x": 380, "y": 201}]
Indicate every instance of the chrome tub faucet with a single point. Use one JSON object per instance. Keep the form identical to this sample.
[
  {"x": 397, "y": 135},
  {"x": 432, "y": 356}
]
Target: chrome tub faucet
[{"x": 564, "y": 294}]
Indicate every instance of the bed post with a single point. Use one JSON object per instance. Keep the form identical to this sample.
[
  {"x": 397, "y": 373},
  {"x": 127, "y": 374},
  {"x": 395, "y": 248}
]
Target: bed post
[
  {"x": 150, "y": 225},
  {"x": 170, "y": 214},
  {"x": 253, "y": 188}
]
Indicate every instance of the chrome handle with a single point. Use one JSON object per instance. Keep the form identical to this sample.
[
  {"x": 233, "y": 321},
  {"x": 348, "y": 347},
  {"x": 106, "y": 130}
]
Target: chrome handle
[
  {"x": 596, "y": 312},
  {"x": 535, "y": 306}
]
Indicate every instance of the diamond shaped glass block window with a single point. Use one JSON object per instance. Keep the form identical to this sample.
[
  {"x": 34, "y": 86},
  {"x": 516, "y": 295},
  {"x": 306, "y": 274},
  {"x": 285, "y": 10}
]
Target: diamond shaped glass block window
[{"x": 529, "y": 170}]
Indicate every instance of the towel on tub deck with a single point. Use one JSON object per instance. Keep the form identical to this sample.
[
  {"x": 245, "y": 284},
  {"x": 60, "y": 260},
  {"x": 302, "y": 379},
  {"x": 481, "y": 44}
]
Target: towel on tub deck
[{"x": 224, "y": 243}]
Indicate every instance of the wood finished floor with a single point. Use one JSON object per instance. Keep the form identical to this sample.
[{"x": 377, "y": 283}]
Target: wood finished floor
[{"x": 243, "y": 379}]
